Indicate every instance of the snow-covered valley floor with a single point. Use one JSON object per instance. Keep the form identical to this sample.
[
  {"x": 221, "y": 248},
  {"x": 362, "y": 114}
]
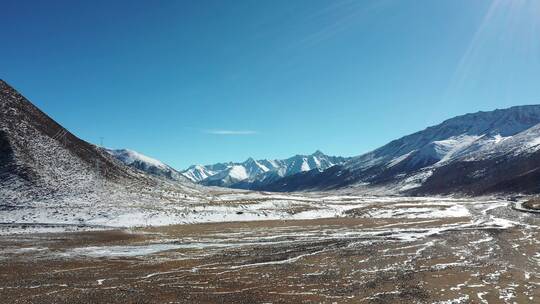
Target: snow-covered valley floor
[
  {"x": 220, "y": 206},
  {"x": 247, "y": 247}
]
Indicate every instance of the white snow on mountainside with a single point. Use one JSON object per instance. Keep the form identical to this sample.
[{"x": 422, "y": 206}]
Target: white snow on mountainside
[
  {"x": 260, "y": 171},
  {"x": 228, "y": 176},
  {"x": 524, "y": 142},
  {"x": 197, "y": 173},
  {"x": 129, "y": 157},
  {"x": 147, "y": 164},
  {"x": 452, "y": 139},
  {"x": 472, "y": 137}
]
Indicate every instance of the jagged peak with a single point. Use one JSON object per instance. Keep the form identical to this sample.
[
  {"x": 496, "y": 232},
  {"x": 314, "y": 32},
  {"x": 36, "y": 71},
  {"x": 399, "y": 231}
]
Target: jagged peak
[
  {"x": 318, "y": 153},
  {"x": 250, "y": 160},
  {"x": 197, "y": 166}
]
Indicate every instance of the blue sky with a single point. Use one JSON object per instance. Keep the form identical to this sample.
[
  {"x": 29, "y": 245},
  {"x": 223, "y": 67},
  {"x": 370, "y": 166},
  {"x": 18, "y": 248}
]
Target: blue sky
[{"x": 208, "y": 81}]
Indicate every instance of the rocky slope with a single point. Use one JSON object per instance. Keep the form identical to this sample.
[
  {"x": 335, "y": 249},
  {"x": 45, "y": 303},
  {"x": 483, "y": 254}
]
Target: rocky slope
[{"x": 42, "y": 163}]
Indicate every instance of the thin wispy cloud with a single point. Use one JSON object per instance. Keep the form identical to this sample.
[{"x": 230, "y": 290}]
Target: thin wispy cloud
[{"x": 230, "y": 132}]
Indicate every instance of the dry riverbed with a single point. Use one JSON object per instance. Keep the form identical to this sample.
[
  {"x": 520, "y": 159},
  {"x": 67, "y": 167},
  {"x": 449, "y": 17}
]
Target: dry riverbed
[{"x": 417, "y": 251}]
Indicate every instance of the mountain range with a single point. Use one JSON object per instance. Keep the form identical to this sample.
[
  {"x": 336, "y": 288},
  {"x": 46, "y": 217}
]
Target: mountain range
[
  {"x": 254, "y": 174},
  {"x": 473, "y": 154}
]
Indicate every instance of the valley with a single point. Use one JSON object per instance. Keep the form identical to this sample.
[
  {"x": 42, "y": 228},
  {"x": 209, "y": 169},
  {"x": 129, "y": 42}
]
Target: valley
[
  {"x": 320, "y": 249},
  {"x": 80, "y": 223},
  {"x": 171, "y": 152}
]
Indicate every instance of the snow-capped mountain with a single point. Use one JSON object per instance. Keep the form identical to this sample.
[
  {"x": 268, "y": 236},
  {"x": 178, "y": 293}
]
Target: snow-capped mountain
[
  {"x": 146, "y": 164},
  {"x": 197, "y": 173},
  {"x": 44, "y": 166},
  {"x": 450, "y": 139},
  {"x": 227, "y": 177},
  {"x": 253, "y": 174},
  {"x": 414, "y": 163}
]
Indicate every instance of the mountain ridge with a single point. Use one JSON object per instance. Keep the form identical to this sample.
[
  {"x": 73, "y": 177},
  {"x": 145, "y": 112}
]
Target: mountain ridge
[
  {"x": 405, "y": 165},
  {"x": 247, "y": 174},
  {"x": 473, "y": 154},
  {"x": 146, "y": 164}
]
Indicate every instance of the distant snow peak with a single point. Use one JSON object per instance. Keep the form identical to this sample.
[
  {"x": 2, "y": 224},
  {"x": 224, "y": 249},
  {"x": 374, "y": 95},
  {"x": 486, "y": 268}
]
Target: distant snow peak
[
  {"x": 197, "y": 173},
  {"x": 246, "y": 174}
]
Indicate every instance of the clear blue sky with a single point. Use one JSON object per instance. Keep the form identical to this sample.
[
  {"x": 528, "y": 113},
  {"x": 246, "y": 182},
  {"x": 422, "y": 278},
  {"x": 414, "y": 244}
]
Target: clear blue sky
[{"x": 207, "y": 81}]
